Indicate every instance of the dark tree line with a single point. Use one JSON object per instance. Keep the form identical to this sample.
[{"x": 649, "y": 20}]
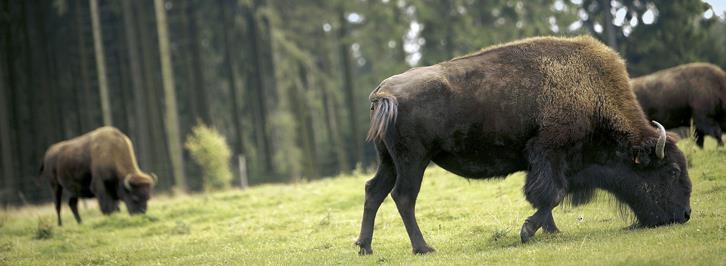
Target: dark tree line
[{"x": 285, "y": 81}]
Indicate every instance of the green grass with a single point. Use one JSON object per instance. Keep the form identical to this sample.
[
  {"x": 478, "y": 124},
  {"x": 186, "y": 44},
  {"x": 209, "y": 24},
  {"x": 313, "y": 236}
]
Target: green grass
[{"x": 468, "y": 222}]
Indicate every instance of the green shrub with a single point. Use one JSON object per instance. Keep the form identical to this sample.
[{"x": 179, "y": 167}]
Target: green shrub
[
  {"x": 209, "y": 149},
  {"x": 181, "y": 228},
  {"x": 45, "y": 229}
]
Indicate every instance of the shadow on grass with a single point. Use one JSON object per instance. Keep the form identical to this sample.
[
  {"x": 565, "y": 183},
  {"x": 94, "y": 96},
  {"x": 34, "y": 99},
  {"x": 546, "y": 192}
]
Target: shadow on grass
[
  {"x": 120, "y": 221},
  {"x": 507, "y": 238}
]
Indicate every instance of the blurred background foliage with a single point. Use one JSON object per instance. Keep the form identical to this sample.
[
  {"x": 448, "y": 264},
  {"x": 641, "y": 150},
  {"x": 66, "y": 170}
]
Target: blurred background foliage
[
  {"x": 284, "y": 81},
  {"x": 210, "y": 151}
]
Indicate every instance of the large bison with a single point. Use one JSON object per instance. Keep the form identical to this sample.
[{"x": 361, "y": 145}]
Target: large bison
[
  {"x": 559, "y": 108},
  {"x": 676, "y": 95},
  {"x": 98, "y": 164}
]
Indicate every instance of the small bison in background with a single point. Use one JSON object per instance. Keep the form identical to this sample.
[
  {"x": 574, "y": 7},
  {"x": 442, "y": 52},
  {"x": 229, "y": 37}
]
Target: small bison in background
[
  {"x": 676, "y": 95},
  {"x": 559, "y": 108},
  {"x": 98, "y": 164}
]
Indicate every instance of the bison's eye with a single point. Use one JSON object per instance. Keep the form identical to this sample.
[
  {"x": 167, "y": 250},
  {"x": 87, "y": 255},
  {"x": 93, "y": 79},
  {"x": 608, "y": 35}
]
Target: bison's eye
[{"x": 676, "y": 170}]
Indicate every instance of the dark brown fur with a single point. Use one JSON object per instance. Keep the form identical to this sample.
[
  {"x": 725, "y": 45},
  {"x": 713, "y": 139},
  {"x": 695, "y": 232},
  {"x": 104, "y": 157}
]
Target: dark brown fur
[
  {"x": 676, "y": 95},
  {"x": 559, "y": 108},
  {"x": 97, "y": 164}
]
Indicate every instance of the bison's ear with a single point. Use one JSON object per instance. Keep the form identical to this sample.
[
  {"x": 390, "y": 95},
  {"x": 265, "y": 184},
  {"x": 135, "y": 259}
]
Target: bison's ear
[
  {"x": 673, "y": 137},
  {"x": 640, "y": 157}
]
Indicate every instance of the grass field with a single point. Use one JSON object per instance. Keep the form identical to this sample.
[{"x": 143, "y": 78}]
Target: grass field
[{"x": 468, "y": 222}]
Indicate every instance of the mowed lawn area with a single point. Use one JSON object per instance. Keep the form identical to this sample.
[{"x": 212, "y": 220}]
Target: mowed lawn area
[{"x": 316, "y": 223}]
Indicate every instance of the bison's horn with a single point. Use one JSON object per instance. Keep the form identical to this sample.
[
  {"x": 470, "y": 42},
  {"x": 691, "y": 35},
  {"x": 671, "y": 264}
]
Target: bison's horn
[
  {"x": 660, "y": 145},
  {"x": 127, "y": 182},
  {"x": 154, "y": 178}
]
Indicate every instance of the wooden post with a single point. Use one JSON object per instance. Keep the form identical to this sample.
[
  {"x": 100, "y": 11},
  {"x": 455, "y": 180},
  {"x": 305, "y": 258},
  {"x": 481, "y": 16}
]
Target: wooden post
[{"x": 242, "y": 162}]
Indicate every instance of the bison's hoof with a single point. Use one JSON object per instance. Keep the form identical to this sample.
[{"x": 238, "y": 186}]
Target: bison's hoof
[
  {"x": 527, "y": 232},
  {"x": 423, "y": 250},
  {"x": 365, "y": 248},
  {"x": 365, "y": 251}
]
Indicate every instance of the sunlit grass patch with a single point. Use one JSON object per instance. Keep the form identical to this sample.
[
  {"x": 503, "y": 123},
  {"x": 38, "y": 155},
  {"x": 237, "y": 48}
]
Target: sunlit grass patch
[{"x": 316, "y": 222}]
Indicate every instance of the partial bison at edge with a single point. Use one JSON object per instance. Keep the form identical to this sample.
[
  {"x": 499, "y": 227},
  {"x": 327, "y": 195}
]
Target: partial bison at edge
[
  {"x": 98, "y": 164},
  {"x": 676, "y": 95},
  {"x": 559, "y": 108}
]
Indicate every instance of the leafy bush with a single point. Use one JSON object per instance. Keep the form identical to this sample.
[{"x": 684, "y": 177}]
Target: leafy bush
[
  {"x": 181, "y": 228},
  {"x": 287, "y": 155},
  {"x": 209, "y": 149},
  {"x": 45, "y": 229}
]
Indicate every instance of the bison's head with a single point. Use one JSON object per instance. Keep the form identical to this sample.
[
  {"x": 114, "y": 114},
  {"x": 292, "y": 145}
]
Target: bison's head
[
  {"x": 137, "y": 191},
  {"x": 658, "y": 189}
]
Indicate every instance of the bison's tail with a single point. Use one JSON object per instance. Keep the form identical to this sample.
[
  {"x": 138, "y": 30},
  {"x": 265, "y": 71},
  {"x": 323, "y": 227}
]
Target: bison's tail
[
  {"x": 384, "y": 111},
  {"x": 39, "y": 178}
]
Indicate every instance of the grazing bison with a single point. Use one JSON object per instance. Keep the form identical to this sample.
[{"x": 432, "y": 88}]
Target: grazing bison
[
  {"x": 559, "y": 108},
  {"x": 676, "y": 95},
  {"x": 98, "y": 164}
]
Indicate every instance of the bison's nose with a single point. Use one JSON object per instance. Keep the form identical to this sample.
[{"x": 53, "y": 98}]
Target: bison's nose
[{"x": 687, "y": 214}]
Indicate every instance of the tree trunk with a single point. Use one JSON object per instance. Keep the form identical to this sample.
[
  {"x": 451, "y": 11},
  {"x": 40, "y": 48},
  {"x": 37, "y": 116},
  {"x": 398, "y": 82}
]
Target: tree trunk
[
  {"x": 158, "y": 151},
  {"x": 100, "y": 63},
  {"x": 197, "y": 91},
  {"x": 139, "y": 129},
  {"x": 348, "y": 87},
  {"x": 449, "y": 46},
  {"x": 229, "y": 66},
  {"x": 27, "y": 136},
  {"x": 6, "y": 156},
  {"x": 86, "y": 107},
  {"x": 257, "y": 92},
  {"x": 172, "y": 120},
  {"x": 608, "y": 24},
  {"x": 306, "y": 125},
  {"x": 7, "y": 85},
  {"x": 331, "y": 124}
]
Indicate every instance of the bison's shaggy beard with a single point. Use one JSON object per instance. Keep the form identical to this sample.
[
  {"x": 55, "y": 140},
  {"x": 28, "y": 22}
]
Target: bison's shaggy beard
[{"x": 587, "y": 195}]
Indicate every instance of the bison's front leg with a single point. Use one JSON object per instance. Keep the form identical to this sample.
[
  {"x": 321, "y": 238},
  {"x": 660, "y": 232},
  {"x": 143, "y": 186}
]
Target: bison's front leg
[
  {"x": 541, "y": 219},
  {"x": 549, "y": 225},
  {"x": 545, "y": 188},
  {"x": 376, "y": 191},
  {"x": 107, "y": 203},
  {"x": 405, "y": 192}
]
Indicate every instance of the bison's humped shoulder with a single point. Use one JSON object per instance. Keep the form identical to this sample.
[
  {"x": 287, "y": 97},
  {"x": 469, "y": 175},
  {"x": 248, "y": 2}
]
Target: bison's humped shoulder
[
  {"x": 591, "y": 79},
  {"x": 702, "y": 66},
  {"x": 108, "y": 131},
  {"x": 532, "y": 41}
]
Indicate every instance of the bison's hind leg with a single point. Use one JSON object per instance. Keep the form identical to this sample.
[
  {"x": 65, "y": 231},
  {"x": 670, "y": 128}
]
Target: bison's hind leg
[
  {"x": 73, "y": 203},
  {"x": 706, "y": 126},
  {"x": 58, "y": 193},
  {"x": 411, "y": 161},
  {"x": 377, "y": 189}
]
